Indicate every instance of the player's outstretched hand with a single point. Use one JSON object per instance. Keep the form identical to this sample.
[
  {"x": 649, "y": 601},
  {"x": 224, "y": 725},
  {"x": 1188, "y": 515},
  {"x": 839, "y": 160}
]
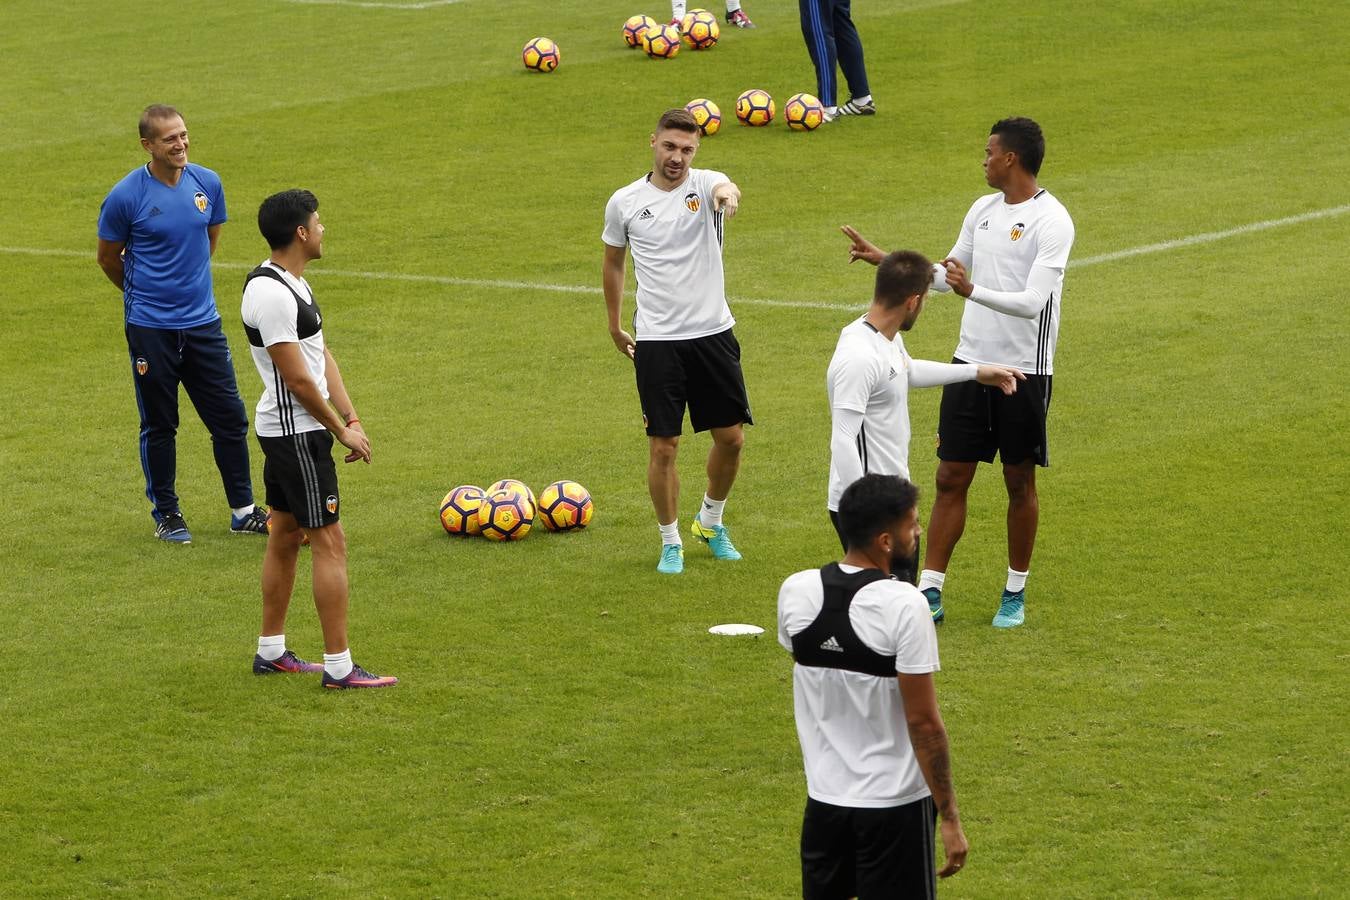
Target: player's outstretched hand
[
  {"x": 957, "y": 278},
  {"x": 1001, "y": 377},
  {"x": 862, "y": 248},
  {"x": 355, "y": 440},
  {"x": 727, "y": 199},
  {"x": 955, "y": 846},
  {"x": 624, "y": 342}
]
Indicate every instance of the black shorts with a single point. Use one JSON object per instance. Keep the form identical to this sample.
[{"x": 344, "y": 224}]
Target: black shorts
[
  {"x": 704, "y": 373},
  {"x": 903, "y": 568},
  {"x": 976, "y": 421},
  {"x": 300, "y": 478},
  {"x": 868, "y": 853}
]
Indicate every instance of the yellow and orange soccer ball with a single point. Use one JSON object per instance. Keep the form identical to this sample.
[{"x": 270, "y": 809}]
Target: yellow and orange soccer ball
[
  {"x": 635, "y": 28},
  {"x": 541, "y": 55},
  {"x": 803, "y": 112},
  {"x": 661, "y": 41},
  {"x": 699, "y": 30},
  {"x": 755, "y": 107},
  {"x": 706, "y": 115},
  {"x": 459, "y": 510},
  {"x": 565, "y": 505}
]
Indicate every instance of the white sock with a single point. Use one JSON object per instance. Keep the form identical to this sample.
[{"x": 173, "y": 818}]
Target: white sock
[
  {"x": 670, "y": 534},
  {"x": 711, "y": 514},
  {"x": 677, "y": 9},
  {"x": 1016, "y": 580},
  {"x": 338, "y": 665},
  {"x": 863, "y": 100},
  {"x": 930, "y": 579},
  {"x": 732, "y": 6},
  {"x": 240, "y": 512},
  {"x": 272, "y": 647}
]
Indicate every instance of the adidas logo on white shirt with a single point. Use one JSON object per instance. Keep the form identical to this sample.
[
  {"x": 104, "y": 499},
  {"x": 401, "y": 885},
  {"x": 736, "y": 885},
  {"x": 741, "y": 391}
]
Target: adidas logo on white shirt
[
  {"x": 832, "y": 644},
  {"x": 984, "y": 226},
  {"x": 646, "y": 214}
]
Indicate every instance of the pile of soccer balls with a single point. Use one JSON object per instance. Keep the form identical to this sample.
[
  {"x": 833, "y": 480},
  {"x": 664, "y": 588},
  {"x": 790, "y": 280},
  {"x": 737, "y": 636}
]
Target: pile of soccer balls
[
  {"x": 508, "y": 509},
  {"x": 756, "y": 108},
  {"x": 698, "y": 30}
]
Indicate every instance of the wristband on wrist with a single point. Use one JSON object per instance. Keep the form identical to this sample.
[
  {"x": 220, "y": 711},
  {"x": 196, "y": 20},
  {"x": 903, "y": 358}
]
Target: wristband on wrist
[{"x": 352, "y": 421}]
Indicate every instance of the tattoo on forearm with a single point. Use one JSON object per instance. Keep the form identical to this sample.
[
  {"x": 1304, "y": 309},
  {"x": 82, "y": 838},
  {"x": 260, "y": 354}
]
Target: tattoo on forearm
[{"x": 931, "y": 751}]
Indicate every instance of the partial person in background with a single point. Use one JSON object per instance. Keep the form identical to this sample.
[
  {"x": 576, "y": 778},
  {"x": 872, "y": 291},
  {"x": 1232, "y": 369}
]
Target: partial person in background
[
  {"x": 157, "y": 231},
  {"x": 736, "y": 16},
  {"x": 833, "y": 43}
]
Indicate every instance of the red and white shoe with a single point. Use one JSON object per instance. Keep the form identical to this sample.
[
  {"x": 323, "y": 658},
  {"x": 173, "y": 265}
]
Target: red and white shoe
[
  {"x": 739, "y": 19},
  {"x": 359, "y": 678}
]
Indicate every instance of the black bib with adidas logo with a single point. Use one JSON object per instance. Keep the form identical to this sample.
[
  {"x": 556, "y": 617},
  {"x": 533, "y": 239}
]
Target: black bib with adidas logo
[
  {"x": 308, "y": 319},
  {"x": 830, "y": 641}
]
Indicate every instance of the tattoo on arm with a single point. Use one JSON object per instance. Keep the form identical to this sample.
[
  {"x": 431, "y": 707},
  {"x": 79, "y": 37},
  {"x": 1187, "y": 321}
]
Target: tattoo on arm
[{"x": 931, "y": 750}]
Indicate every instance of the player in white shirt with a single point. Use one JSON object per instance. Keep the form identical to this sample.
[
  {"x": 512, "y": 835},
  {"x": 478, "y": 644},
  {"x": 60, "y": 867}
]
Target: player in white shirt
[
  {"x": 874, "y": 746},
  {"x": 305, "y": 405},
  {"x": 685, "y": 353},
  {"x": 869, "y": 378},
  {"x": 1008, "y": 262}
]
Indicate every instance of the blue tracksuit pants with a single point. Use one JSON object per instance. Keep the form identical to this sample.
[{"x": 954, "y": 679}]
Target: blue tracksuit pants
[
  {"x": 199, "y": 359},
  {"x": 832, "y": 41}
]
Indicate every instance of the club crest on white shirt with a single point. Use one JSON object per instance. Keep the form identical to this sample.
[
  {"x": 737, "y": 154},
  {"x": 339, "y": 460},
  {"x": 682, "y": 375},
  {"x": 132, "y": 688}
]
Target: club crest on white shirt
[
  {"x": 691, "y": 200},
  {"x": 1016, "y": 231}
]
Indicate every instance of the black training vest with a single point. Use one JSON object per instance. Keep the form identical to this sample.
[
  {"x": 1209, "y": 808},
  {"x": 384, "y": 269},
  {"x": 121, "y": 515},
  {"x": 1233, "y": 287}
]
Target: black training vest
[
  {"x": 830, "y": 641},
  {"x": 308, "y": 322}
]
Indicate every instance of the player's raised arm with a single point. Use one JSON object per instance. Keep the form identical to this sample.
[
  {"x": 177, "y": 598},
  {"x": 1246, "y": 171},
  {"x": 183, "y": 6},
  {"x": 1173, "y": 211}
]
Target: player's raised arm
[
  {"x": 862, "y": 248},
  {"x": 611, "y": 279},
  {"x": 727, "y": 198}
]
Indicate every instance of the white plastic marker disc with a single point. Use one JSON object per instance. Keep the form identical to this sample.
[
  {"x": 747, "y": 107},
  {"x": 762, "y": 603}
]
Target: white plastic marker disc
[{"x": 735, "y": 629}]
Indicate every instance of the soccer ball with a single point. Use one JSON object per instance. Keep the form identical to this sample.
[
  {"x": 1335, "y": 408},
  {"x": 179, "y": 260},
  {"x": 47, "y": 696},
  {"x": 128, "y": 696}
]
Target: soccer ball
[
  {"x": 700, "y": 30},
  {"x": 506, "y": 515},
  {"x": 517, "y": 487},
  {"x": 541, "y": 55},
  {"x": 565, "y": 505},
  {"x": 804, "y": 112},
  {"x": 706, "y": 114},
  {"x": 661, "y": 41},
  {"x": 635, "y": 28},
  {"x": 755, "y": 107},
  {"x": 459, "y": 510}
]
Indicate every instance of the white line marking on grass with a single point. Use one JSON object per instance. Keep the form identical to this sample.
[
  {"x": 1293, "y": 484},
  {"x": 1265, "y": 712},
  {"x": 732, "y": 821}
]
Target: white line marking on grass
[
  {"x": 370, "y": 4},
  {"x": 1212, "y": 236},
  {"x": 503, "y": 284}
]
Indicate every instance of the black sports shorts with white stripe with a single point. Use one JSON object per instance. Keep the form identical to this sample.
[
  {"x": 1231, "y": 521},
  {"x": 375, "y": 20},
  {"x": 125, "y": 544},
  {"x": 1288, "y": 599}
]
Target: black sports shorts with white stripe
[
  {"x": 975, "y": 421},
  {"x": 300, "y": 477}
]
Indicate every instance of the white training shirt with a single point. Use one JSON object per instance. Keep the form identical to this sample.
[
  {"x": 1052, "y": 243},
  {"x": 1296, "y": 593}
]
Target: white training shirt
[
  {"x": 852, "y": 729},
  {"x": 675, "y": 238},
  {"x": 999, "y": 245},
  {"x": 871, "y": 376},
  {"x": 272, "y": 310}
]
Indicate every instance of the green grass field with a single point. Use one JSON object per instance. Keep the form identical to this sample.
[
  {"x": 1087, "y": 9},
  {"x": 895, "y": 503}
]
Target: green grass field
[{"x": 1165, "y": 725}]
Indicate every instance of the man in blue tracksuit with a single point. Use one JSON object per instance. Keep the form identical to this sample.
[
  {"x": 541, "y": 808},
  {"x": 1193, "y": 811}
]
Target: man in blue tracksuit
[
  {"x": 832, "y": 41},
  {"x": 157, "y": 230}
]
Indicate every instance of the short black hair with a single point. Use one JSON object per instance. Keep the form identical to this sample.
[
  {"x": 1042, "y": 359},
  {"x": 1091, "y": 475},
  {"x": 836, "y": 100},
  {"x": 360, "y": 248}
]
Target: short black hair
[
  {"x": 901, "y": 275},
  {"x": 871, "y": 505},
  {"x": 679, "y": 119},
  {"x": 280, "y": 214},
  {"x": 1023, "y": 137}
]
